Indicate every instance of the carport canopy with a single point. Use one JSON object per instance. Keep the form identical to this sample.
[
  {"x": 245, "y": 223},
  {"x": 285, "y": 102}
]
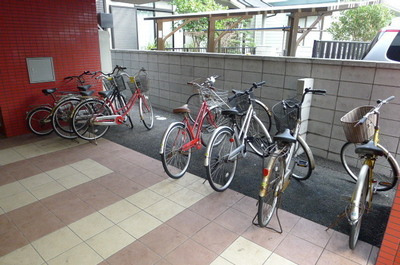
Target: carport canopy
[{"x": 295, "y": 13}]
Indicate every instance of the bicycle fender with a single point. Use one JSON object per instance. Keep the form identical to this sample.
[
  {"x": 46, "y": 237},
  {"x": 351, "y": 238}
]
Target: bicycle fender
[
  {"x": 389, "y": 156},
  {"x": 308, "y": 150},
  {"x": 206, "y": 154},
  {"x": 165, "y": 134}
]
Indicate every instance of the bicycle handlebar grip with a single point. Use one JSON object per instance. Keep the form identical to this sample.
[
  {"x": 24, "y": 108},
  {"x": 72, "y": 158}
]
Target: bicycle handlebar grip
[
  {"x": 319, "y": 91},
  {"x": 255, "y": 85},
  {"x": 390, "y": 98},
  {"x": 361, "y": 121}
]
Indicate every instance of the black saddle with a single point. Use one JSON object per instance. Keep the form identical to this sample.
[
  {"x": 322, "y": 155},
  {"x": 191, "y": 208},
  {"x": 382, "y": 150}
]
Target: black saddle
[{"x": 369, "y": 149}]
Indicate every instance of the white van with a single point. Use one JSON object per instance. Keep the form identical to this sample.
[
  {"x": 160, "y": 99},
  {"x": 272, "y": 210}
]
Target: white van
[{"x": 386, "y": 44}]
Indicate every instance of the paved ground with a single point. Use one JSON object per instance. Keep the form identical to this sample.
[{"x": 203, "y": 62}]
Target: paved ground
[{"x": 321, "y": 198}]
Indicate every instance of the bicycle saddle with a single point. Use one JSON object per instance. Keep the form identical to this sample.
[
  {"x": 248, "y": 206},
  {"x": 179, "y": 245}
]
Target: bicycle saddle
[
  {"x": 182, "y": 109},
  {"x": 106, "y": 93},
  {"x": 231, "y": 111},
  {"x": 87, "y": 93},
  {"x": 369, "y": 149},
  {"x": 85, "y": 87},
  {"x": 49, "y": 91},
  {"x": 286, "y": 137}
]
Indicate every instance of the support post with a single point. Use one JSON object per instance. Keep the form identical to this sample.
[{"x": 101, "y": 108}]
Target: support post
[
  {"x": 160, "y": 39},
  {"x": 211, "y": 35},
  {"x": 291, "y": 40}
]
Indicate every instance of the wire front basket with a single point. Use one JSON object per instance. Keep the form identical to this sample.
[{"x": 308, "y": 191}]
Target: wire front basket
[
  {"x": 362, "y": 132},
  {"x": 213, "y": 98},
  {"x": 120, "y": 82},
  {"x": 108, "y": 83},
  {"x": 285, "y": 117},
  {"x": 241, "y": 102}
]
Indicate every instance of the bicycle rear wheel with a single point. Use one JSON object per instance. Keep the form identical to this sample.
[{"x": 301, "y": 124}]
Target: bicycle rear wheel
[
  {"x": 83, "y": 119},
  {"x": 62, "y": 118},
  {"x": 302, "y": 162},
  {"x": 268, "y": 202},
  {"x": 384, "y": 170},
  {"x": 39, "y": 121},
  {"x": 194, "y": 103},
  {"x": 358, "y": 205},
  {"x": 175, "y": 153},
  {"x": 146, "y": 112},
  {"x": 220, "y": 169}
]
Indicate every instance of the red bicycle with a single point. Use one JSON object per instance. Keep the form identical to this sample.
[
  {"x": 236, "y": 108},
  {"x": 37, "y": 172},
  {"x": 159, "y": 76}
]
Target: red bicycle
[{"x": 181, "y": 137}]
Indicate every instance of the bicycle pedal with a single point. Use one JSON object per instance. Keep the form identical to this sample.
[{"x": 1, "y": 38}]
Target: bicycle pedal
[{"x": 302, "y": 163}]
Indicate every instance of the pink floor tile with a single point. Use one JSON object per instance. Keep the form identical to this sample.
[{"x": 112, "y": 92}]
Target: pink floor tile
[
  {"x": 312, "y": 232},
  {"x": 234, "y": 221},
  {"x": 188, "y": 222},
  {"x": 136, "y": 253},
  {"x": 191, "y": 253},
  {"x": 215, "y": 237},
  {"x": 299, "y": 250},
  {"x": 163, "y": 239}
]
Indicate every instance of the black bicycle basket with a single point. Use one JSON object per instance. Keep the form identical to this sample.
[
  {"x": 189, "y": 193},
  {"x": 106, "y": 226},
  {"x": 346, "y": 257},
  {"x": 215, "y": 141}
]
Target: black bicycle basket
[
  {"x": 241, "y": 102},
  {"x": 285, "y": 115},
  {"x": 119, "y": 80}
]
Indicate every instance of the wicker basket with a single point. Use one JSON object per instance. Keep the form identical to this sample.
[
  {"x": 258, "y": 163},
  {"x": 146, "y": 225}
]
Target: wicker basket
[
  {"x": 285, "y": 118},
  {"x": 362, "y": 132}
]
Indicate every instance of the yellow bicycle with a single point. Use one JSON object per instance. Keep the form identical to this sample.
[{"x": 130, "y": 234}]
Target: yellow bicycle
[{"x": 358, "y": 125}]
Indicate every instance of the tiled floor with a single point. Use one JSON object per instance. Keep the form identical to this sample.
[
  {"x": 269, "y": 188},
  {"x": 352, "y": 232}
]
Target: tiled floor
[{"x": 64, "y": 202}]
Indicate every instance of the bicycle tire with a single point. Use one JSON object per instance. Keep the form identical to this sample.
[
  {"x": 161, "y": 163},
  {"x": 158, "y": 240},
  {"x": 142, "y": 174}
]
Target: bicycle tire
[
  {"x": 302, "y": 163},
  {"x": 385, "y": 170},
  {"x": 359, "y": 201},
  {"x": 39, "y": 121},
  {"x": 268, "y": 202},
  {"x": 263, "y": 113},
  {"x": 175, "y": 160},
  {"x": 146, "y": 112},
  {"x": 82, "y": 119},
  {"x": 220, "y": 171},
  {"x": 259, "y": 135},
  {"x": 194, "y": 103},
  {"x": 62, "y": 118}
]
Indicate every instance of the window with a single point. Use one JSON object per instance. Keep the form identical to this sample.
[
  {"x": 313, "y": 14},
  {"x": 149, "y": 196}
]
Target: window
[{"x": 393, "y": 52}]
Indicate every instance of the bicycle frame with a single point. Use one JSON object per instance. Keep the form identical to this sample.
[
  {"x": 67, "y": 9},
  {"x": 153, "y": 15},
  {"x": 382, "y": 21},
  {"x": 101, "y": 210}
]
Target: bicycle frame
[
  {"x": 117, "y": 119},
  {"x": 195, "y": 129}
]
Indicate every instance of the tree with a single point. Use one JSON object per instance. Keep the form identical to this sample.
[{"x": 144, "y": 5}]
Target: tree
[
  {"x": 361, "y": 24},
  {"x": 196, "y": 29}
]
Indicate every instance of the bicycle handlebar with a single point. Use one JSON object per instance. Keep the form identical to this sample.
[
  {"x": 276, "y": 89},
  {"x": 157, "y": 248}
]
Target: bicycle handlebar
[{"x": 374, "y": 110}]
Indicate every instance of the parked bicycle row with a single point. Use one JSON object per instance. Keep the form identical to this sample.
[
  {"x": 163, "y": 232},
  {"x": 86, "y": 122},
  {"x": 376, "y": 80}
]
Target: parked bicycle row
[
  {"x": 228, "y": 126},
  {"x": 88, "y": 115}
]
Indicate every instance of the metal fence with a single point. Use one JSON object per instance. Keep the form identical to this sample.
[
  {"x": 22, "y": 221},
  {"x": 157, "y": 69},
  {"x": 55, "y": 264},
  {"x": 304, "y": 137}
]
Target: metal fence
[
  {"x": 230, "y": 50},
  {"x": 339, "y": 49}
]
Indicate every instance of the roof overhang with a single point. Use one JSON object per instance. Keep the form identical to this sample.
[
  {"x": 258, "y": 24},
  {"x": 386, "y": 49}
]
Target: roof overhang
[
  {"x": 306, "y": 9},
  {"x": 137, "y": 2}
]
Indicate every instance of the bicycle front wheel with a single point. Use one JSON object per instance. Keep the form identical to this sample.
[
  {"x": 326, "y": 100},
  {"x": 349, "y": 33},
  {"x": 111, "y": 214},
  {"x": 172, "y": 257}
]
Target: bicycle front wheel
[
  {"x": 194, "y": 103},
  {"x": 258, "y": 136},
  {"x": 39, "y": 121},
  {"x": 219, "y": 167},
  {"x": 146, "y": 112},
  {"x": 384, "y": 169},
  {"x": 175, "y": 151},
  {"x": 302, "y": 162},
  {"x": 83, "y": 119},
  {"x": 271, "y": 183},
  {"x": 263, "y": 113},
  {"x": 62, "y": 118},
  {"x": 358, "y": 205}
]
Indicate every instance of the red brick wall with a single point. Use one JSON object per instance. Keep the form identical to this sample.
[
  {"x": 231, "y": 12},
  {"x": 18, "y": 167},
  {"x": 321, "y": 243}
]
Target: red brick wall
[
  {"x": 63, "y": 29},
  {"x": 390, "y": 249}
]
